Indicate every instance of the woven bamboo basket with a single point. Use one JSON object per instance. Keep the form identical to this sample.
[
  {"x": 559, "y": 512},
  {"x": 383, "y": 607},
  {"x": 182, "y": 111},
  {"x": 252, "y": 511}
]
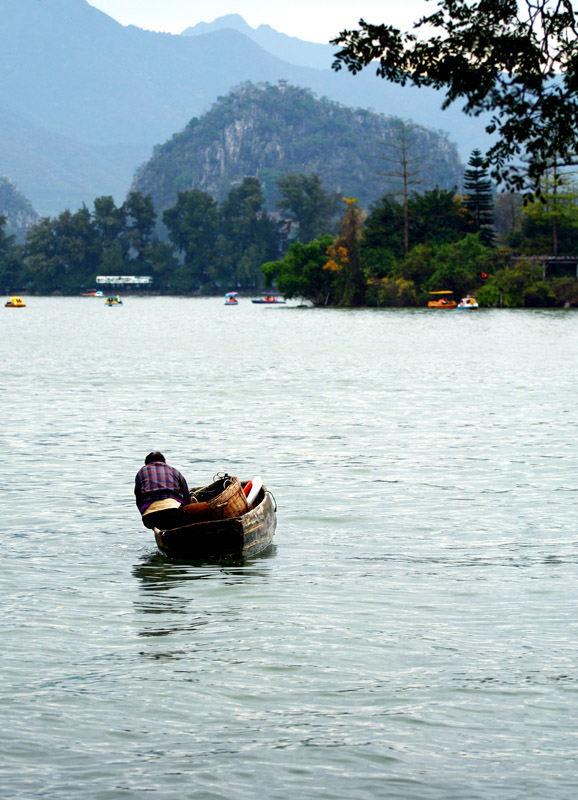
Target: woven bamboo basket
[{"x": 225, "y": 498}]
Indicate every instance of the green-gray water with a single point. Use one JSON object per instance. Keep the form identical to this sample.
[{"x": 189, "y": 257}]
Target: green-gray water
[{"x": 411, "y": 635}]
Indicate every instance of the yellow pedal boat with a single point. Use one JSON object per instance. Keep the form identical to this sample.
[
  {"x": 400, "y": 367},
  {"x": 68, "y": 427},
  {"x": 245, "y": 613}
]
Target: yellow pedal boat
[
  {"x": 15, "y": 302},
  {"x": 443, "y": 299}
]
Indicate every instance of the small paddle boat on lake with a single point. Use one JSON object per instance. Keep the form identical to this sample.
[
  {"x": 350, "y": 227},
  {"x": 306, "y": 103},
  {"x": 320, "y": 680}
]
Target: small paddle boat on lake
[
  {"x": 15, "y": 302},
  {"x": 243, "y": 523},
  {"x": 270, "y": 299},
  {"x": 468, "y": 302},
  {"x": 442, "y": 299},
  {"x": 113, "y": 300},
  {"x": 231, "y": 299}
]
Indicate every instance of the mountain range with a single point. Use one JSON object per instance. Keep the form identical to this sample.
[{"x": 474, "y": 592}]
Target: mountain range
[
  {"x": 84, "y": 100},
  {"x": 287, "y": 48}
]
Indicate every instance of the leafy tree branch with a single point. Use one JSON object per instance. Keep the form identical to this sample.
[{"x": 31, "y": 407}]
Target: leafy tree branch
[{"x": 518, "y": 61}]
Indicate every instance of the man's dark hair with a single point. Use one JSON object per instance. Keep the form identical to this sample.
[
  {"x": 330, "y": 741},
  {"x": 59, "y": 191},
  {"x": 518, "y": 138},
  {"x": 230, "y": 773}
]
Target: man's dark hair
[{"x": 156, "y": 456}]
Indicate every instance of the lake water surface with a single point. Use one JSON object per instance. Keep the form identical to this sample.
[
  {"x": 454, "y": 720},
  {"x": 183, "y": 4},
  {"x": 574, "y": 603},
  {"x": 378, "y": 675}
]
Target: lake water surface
[{"x": 413, "y": 632}]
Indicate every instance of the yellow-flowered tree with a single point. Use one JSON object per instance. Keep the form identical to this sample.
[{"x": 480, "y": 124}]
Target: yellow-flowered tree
[{"x": 344, "y": 258}]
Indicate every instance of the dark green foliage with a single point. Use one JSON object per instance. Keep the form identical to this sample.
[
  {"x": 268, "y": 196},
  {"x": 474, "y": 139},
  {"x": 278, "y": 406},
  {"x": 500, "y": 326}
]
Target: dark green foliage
[
  {"x": 479, "y": 200},
  {"x": 66, "y": 253},
  {"x": 539, "y": 295},
  {"x": 565, "y": 290},
  {"x": 40, "y": 252},
  {"x": 326, "y": 271},
  {"x": 517, "y": 287},
  {"x": 11, "y": 265},
  {"x": 163, "y": 265},
  {"x": 249, "y": 236},
  {"x": 222, "y": 246},
  {"x": 376, "y": 262},
  {"x": 193, "y": 226},
  {"x": 309, "y": 206},
  {"x": 551, "y": 225},
  {"x": 436, "y": 216},
  {"x": 216, "y": 247},
  {"x": 391, "y": 292},
  {"x": 418, "y": 266},
  {"x": 139, "y": 218},
  {"x": 535, "y": 236},
  {"x": 114, "y": 259},
  {"x": 459, "y": 265},
  {"x": 454, "y": 266},
  {"x": 210, "y": 247},
  {"x": 517, "y": 61},
  {"x": 301, "y": 272},
  {"x": 108, "y": 220},
  {"x": 63, "y": 254},
  {"x": 383, "y": 232}
]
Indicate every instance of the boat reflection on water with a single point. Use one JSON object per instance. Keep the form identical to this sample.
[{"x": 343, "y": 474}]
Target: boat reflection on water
[
  {"x": 158, "y": 573},
  {"x": 173, "y": 602}
]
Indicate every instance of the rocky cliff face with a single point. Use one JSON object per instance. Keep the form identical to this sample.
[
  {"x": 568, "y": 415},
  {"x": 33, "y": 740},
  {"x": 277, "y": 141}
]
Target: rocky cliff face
[
  {"x": 266, "y": 131},
  {"x": 16, "y": 208}
]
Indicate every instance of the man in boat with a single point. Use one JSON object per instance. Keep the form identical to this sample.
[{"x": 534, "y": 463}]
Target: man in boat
[{"x": 161, "y": 493}]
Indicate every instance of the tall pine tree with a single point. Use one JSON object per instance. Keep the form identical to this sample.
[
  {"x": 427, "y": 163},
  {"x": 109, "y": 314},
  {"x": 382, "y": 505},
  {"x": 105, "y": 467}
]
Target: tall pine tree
[{"x": 479, "y": 198}]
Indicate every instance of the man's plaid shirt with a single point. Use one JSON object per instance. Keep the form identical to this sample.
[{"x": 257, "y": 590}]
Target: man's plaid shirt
[{"x": 158, "y": 481}]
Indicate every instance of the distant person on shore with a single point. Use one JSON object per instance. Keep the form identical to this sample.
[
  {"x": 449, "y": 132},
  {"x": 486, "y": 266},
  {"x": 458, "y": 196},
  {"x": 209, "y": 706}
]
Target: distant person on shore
[{"x": 161, "y": 492}]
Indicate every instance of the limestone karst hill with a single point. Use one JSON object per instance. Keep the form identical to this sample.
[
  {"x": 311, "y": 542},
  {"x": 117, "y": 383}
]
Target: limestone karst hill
[{"x": 266, "y": 131}]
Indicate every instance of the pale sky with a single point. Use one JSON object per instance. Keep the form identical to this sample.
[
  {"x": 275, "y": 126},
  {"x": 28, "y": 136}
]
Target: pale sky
[{"x": 314, "y": 22}]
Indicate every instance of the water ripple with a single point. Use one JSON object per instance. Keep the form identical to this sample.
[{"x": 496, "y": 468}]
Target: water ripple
[{"x": 411, "y": 635}]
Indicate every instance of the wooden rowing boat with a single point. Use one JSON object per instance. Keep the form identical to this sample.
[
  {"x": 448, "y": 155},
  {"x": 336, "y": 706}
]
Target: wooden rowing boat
[{"x": 236, "y": 537}]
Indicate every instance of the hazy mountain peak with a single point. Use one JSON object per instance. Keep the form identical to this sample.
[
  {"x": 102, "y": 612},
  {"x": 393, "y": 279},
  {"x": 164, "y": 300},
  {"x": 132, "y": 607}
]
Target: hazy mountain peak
[
  {"x": 234, "y": 21},
  {"x": 287, "y": 48}
]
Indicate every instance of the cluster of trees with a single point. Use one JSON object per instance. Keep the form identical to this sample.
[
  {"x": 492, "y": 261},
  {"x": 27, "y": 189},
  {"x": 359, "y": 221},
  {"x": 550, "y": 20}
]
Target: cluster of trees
[
  {"x": 202, "y": 246},
  {"x": 516, "y": 63},
  {"x": 368, "y": 263},
  {"x": 418, "y": 243},
  {"x": 315, "y": 246},
  {"x": 66, "y": 253}
]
